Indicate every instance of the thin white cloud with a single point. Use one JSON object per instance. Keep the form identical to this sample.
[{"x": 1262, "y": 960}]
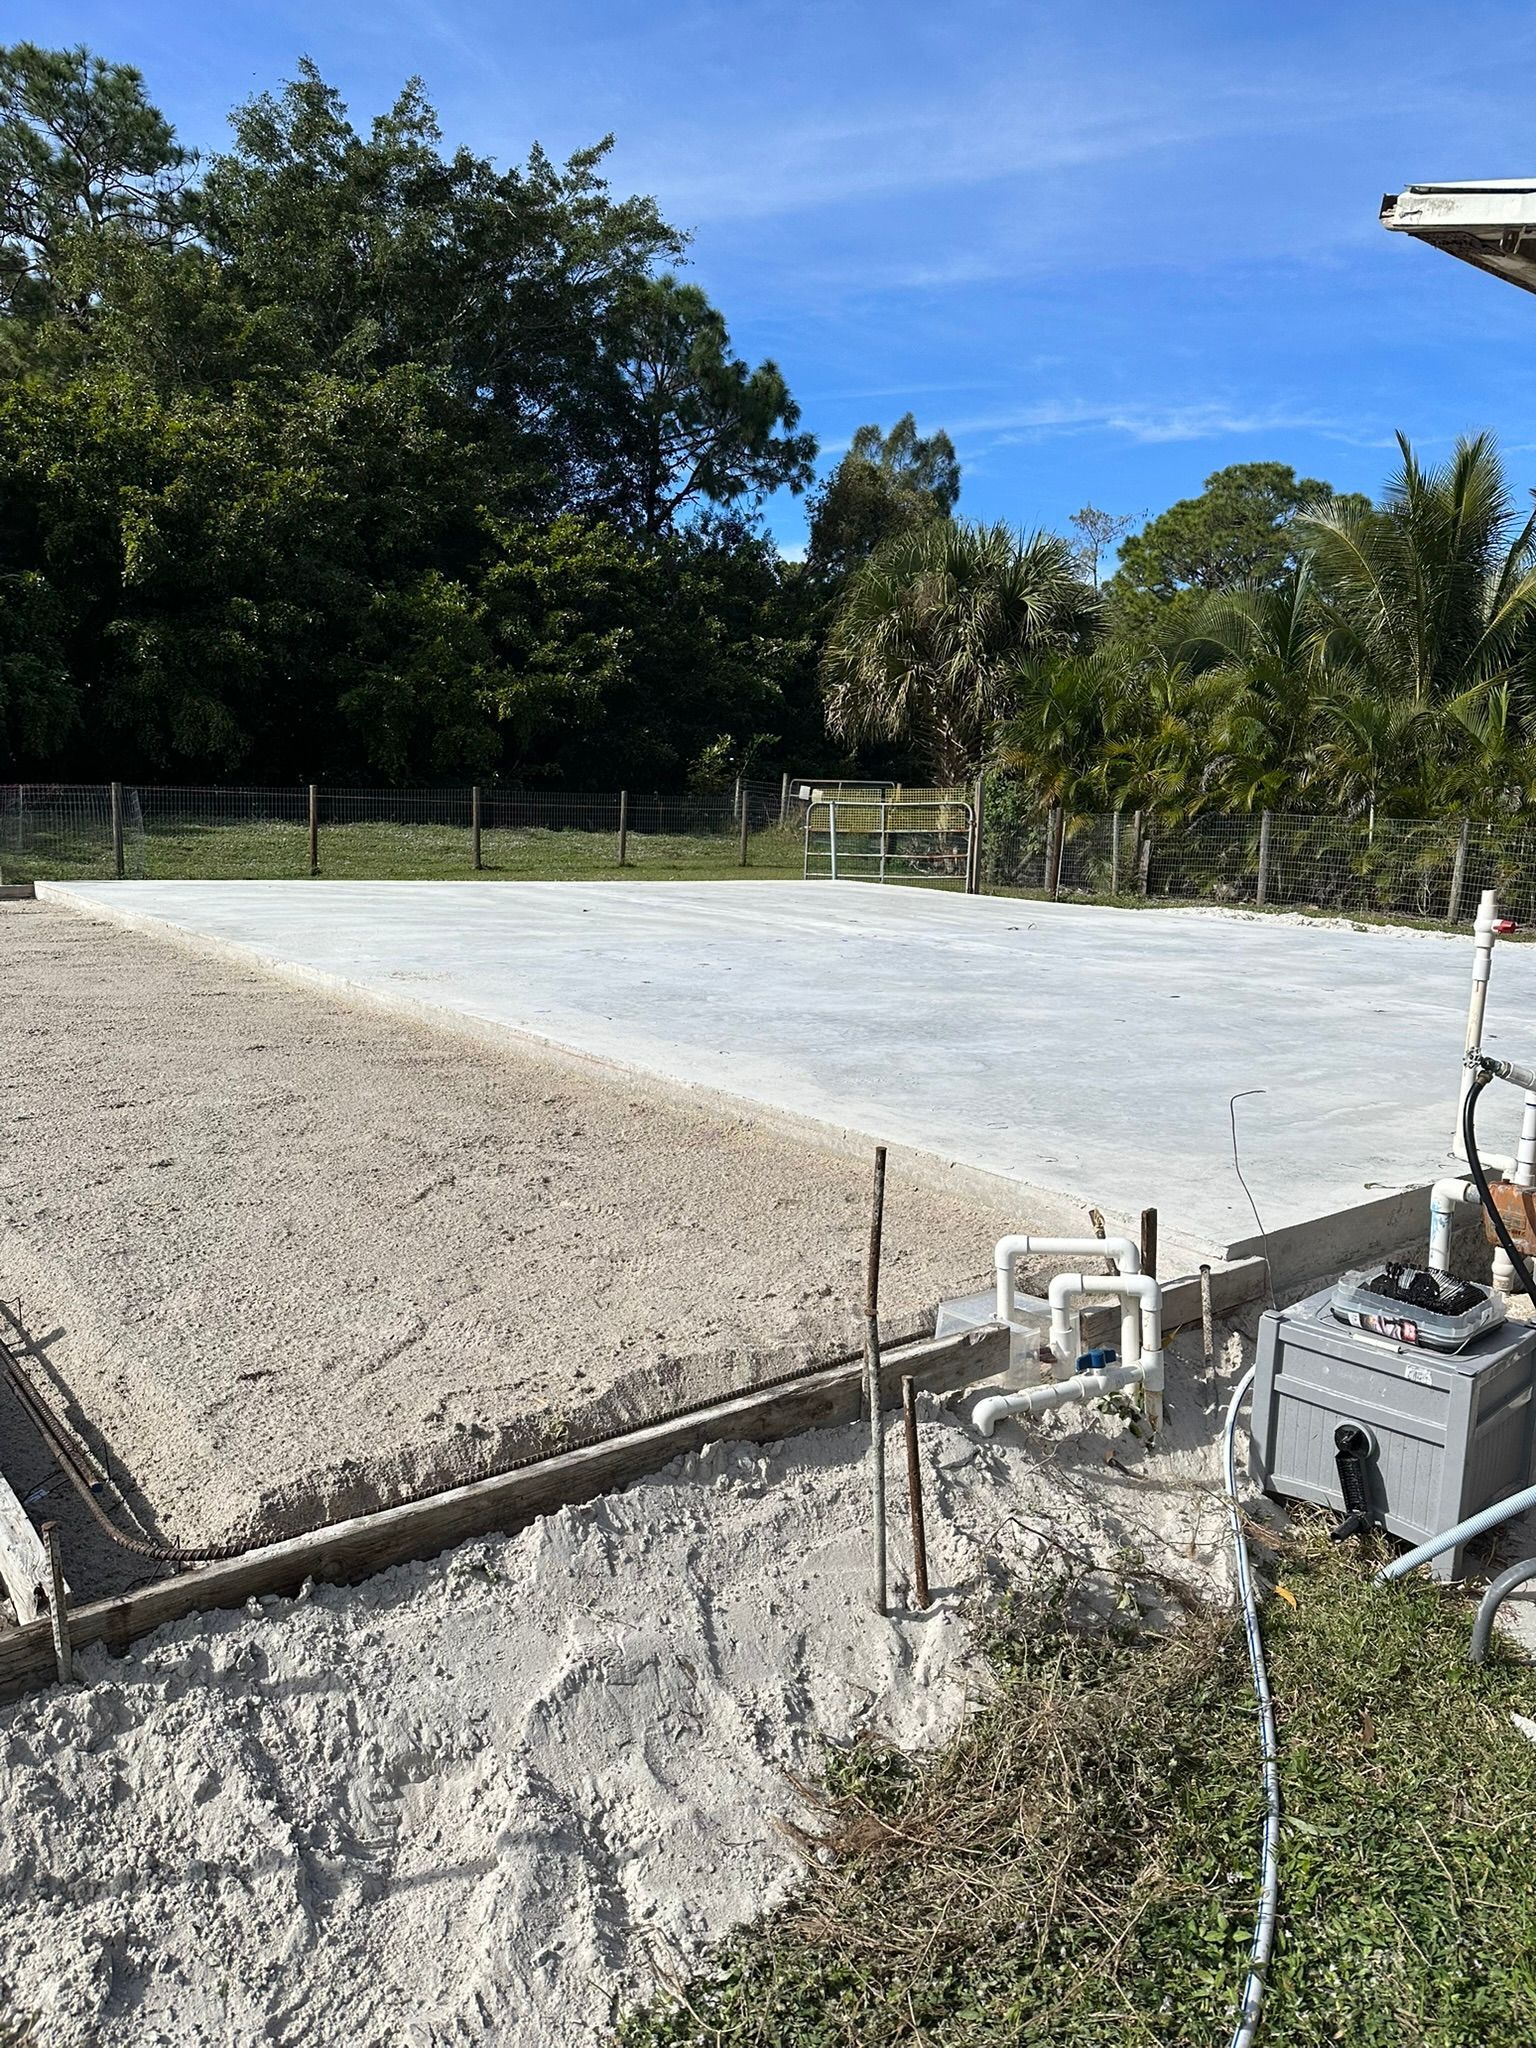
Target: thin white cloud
[
  {"x": 1152, "y": 422},
  {"x": 1042, "y": 112}
]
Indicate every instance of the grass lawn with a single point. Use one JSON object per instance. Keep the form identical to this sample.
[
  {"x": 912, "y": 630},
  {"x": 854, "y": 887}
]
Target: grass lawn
[
  {"x": 262, "y": 851},
  {"x": 1080, "y": 1866}
]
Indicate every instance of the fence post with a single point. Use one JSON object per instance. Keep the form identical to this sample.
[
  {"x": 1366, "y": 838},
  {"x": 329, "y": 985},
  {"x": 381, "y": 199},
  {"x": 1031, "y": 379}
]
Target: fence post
[
  {"x": 314, "y": 828},
  {"x": 784, "y": 800},
  {"x": 119, "y": 864},
  {"x": 623, "y": 826},
  {"x": 736, "y": 799},
  {"x": 1149, "y": 1242},
  {"x": 1458, "y": 873},
  {"x": 1114, "y": 853},
  {"x": 832, "y": 837},
  {"x": 978, "y": 803},
  {"x": 474, "y": 823},
  {"x": 746, "y": 821},
  {"x": 1261, "y": 892},
  {"x": 1053, "y": 845},
  {"x": 1144, "y": 877},
  {"x": 882, "y": 839}
]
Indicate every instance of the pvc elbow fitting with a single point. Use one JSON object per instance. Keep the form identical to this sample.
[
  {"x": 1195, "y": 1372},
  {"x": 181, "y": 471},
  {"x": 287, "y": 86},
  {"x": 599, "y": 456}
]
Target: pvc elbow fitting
[{"x": 1125, "y": 1253}]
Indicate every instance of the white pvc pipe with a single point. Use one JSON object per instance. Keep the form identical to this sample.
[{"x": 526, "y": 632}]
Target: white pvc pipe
[
  {"x": 1141, "y": 1326},
  {"x": 1483, "y": 936},
  {"x": 1068, "y": 1291},
  {"x": 1083, "y": 1386},
  {"x": 1445, "y": 1197},
  {"x": 1010, "y": 1250},
  {"x": 1525, "y": 1151},
  {"x": 1523, "y": 1176}
]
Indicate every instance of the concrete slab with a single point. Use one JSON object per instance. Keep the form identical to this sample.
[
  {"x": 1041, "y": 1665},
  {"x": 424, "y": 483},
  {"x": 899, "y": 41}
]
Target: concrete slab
[{"x": 1082, "y": 1054}]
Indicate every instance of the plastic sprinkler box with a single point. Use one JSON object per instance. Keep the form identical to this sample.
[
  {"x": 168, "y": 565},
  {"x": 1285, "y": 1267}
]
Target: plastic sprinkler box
[
  {"x": 1027, "y": 1334},
  {"x": 1445, "y": 1433}
]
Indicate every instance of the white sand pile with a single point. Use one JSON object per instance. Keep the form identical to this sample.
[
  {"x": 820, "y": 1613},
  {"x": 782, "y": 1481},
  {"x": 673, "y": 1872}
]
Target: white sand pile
[{"x": 477, "y": 1800}]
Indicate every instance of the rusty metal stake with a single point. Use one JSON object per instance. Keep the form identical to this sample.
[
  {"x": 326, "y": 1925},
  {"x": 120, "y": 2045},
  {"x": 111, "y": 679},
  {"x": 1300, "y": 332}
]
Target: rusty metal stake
[
  {"x": 872, "y": 1391},
  {"x": 915, "y": 1494},
  {"x": 58, "y": 1605},
  {"x": 1149, "y": 1242},
  {"x": 1100, "y": 1229}
]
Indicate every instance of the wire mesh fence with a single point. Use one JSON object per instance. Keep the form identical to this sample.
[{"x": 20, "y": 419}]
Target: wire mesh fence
[
  {"x": 69, "y": 831},
  {"x": 159, "y": 832},
  {"x": 1429, "y": 870}
]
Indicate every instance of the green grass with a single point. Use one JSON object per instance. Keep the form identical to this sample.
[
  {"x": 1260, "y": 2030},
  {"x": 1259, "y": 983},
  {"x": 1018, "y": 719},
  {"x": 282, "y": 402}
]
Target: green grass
[
  {"x": 389, "y": 852},
  {"x": 1080, "y": 1865}
]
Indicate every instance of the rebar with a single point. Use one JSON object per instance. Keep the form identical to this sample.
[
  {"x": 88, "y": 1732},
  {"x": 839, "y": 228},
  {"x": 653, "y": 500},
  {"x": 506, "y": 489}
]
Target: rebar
[
  {"x": 58, "y": 1605},
  {"x": 872, "y": 1373},
  {"x": 915, "y": 1495}
]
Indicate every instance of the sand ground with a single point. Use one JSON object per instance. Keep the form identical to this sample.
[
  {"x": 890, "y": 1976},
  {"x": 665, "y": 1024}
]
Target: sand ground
[
  {"x": 287, "y": 1260},
  {"x": 494, "y": 1797}
]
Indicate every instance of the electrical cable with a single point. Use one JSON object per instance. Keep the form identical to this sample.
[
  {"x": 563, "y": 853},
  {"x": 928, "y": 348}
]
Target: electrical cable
[
  {"x": 1237, "y": 1167},
  {"x": 1269, "y": 1749},
  {"x": 1481, "y": 1076}
]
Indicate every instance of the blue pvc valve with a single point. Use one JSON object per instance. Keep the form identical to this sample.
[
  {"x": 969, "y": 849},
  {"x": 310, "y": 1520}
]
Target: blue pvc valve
[{"x": 1097, "y": 1359}]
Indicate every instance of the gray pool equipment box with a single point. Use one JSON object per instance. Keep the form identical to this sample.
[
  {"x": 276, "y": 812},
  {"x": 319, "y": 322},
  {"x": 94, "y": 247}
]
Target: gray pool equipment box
[{"x": 1450, "y": 1431}]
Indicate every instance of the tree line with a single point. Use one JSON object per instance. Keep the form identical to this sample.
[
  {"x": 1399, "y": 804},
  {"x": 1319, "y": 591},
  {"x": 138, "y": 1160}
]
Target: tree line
[
  {"x": 1270, "y": 644},
  {"x": 344, "y": 454}
]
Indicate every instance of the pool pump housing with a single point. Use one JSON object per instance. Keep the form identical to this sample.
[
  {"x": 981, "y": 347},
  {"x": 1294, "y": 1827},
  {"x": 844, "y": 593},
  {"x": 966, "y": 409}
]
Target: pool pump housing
[{"x": 1392, "y": 1434}]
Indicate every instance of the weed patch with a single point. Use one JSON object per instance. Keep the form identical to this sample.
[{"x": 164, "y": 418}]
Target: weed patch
[{"x": 1081, "y": 1863}]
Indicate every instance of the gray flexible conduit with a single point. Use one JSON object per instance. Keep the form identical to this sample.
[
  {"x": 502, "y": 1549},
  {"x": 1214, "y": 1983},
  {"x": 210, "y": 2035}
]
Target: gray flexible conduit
[
  {"x": 1269, "y": 1749},
  {"x": 1493, "y": 1600}
]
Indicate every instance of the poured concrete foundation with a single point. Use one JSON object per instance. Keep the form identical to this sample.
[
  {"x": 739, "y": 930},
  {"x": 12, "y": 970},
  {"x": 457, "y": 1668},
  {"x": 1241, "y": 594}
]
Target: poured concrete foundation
[
  {"x": 319, "y": 1195},
  {"x": 1073, "y": 1054}
]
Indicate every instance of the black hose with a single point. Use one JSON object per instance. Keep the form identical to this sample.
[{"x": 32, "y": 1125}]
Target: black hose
[{"x": 1480, "y": 1080}]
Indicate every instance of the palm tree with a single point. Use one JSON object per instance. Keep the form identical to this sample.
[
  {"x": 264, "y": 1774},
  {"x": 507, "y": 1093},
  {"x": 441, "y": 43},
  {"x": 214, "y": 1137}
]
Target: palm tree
[
  {"x": 928, "y": 645},
  {"x": 1161, "y": 741},
  {"x": 1257, "y": 651},
  {"x": 1426, "y": 606},
  {"x": 1371, "y": 747},
  {"x": 1064, "y": 716}
]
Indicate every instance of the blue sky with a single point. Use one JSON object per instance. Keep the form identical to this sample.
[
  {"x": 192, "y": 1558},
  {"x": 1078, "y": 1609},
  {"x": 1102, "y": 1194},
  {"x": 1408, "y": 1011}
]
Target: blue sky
[{"x": 1109, "y": 248}]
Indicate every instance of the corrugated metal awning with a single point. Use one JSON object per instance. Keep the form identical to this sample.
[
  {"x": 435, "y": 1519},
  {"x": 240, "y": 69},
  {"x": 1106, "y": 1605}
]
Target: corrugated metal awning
[{"x": 1490, "y": 222}]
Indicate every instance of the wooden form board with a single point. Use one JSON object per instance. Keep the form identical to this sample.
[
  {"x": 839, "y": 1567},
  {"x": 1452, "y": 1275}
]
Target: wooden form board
[
  {"x": 356, "y": 1549},
  {"x": 23, "y": 1560}
]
